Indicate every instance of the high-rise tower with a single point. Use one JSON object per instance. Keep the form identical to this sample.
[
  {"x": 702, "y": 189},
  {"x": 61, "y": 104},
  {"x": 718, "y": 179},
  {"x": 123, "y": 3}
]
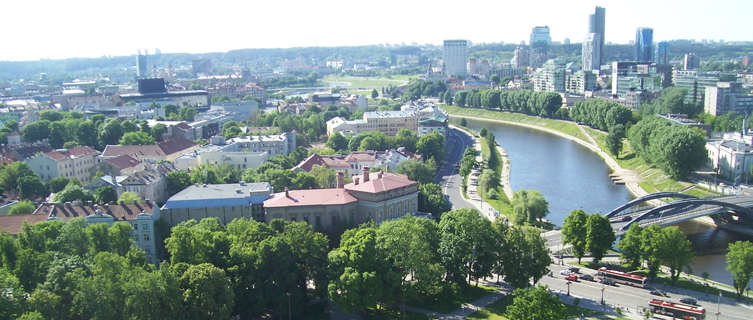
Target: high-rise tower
[
  {"x": 455, "y": 56},
  {"x": 662, "y": 53},
  {"x": 591, "y": 53},
  {"x": 141, "y": 65},
  {"x": 596, "y": 22},
  {"x": 644, "y": 42}
]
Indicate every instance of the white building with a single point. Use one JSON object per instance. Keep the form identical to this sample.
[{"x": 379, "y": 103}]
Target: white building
[
  {"x": 77, "y": 162},
  {"x": 455, "y": 55},
  {"x": 241, "y": 152},
  {"x": 591, "y": 52},
  {"x": 732, "y": 156}
]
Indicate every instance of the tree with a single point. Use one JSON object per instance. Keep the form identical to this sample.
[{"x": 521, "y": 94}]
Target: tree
[
  {"x": 432, "y": 199},
  {"x": 22, "y": 207},
  {"x": 535, "y": 303},
  {"x": 129, "y": 197},
  {"x": 630, "y": 246},
  {"x": 431, "y": 146},
  {"x": 614, "y": 139},
  {"x": 136, "y": 138},
  {"x": 528, "y": 206},
  {"x": 177, "y": 181},
  {"x": 186, "y": 113},
  {"x": 337, "y": 142},
  {"x": 207, "y": 292},
  {"x": 674, "y": 250},
  {"x": 599, "y": 236},
  {"x": 487, "y": 181},
  {"x": 87, "y": 134},
  {"x": 10, "y": 174},
  {"x": 157, "y": 131},
  {"x": 72, "y": 193},
  {"x": 325, "y": 177},
  {"x": 110, "y": 132},
  {"x": 368, "y": 143},
  {"x": 574, "y": 232},
  {"x": 12, "y": 301},
  {"x": 374, "y": 94},
  {"x": 406, "y": 138},
  {"x": 416, "y": 170},
  {"x": 35, "y": 131},
  {"x": 466, "y": 245},
  {"x": 740, "y": 264},
  {"x": 105, "y": 194},
  {"x": 57, "y": 135},
  {"x": 30, "y": 187},
  {"x": 649, "y": 248}
]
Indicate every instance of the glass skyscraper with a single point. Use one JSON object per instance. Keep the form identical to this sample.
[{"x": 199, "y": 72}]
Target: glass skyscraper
[
  {"x": 596, "y": 22},
  {"x": 644, "y": 42},
  {"x": 662, "y": 53}
]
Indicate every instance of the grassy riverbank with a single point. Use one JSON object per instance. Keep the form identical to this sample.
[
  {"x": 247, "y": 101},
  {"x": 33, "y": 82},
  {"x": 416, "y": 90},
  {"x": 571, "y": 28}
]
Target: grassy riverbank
[
  {"x": 365, "y": 82},
  {"x": 653, "y": 179},
  {"x": 502, "y": 203}
]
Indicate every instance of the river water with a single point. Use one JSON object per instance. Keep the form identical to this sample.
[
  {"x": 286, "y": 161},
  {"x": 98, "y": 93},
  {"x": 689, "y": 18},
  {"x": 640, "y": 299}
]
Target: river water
[{"x": 570, "y": 177}]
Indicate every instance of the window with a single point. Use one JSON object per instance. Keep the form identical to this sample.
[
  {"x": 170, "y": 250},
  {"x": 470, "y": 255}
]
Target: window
[
  {"x": 145, "y": 226},
  {"x": 136, "y": 226},
  {"x": 146, "y": 237}
]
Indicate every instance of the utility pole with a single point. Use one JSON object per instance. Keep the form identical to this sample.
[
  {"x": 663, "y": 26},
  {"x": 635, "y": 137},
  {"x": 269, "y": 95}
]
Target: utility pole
[{"x": 718, "y": 300}]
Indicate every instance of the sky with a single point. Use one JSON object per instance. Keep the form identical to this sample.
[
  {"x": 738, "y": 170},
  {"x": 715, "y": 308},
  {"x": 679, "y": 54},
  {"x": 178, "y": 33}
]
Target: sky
[{"x": 34, "y": 29}]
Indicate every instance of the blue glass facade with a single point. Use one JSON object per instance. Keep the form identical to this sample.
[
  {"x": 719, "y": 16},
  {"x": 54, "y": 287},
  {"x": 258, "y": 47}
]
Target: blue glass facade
[{"x": 644, "y": 39}]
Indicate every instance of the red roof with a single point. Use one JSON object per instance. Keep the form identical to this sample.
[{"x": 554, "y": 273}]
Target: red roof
[
  {"x": 75, "y": 152},
  {"x": 13, "y": 224},
  {"x": 137, "y": 152},
  {"x": 388, "y": 181},
  {"x": 67, "y": 211},
  {"x": 334, "y": 162},
  {"x": 360, "y": 156},
  {"x": 123, "y": 161},
  {"x": 175, "y": 145},
  {"x": 312, "y": 197}
]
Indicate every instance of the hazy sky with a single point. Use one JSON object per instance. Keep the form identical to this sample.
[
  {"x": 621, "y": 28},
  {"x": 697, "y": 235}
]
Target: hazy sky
[{"x": 34, "y": 29}]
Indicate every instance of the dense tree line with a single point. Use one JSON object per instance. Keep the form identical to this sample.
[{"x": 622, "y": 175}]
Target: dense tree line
[
  {"x": 677, "y": 149},
  {"x": 600, "y": 114},
  {"x": 312, "y": 123},
  {"x": 588, "y": 233},
  {"x": 545, "y": 104},
  {"x": 655, "y": 246},
  {"x": 672, "y": 100},
  {"x": 423, "y": 89},
  {"x": 17, "y": 178},
  {"x": 429, "y": 146}
]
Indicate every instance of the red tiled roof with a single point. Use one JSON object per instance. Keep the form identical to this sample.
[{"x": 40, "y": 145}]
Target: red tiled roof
[
  {"x": 13, "y": 224},
  {"x": 137, "y": 152},
  {"x": 311, "y": 197},
  {"x": 67, "y": 211},
  {"x": 333, "y": 162},
  {"x": 388, "y": 181},
  {"x": 175, "y": 145},
  {"x": 123, "y": 161},
  {"x": 360, "y": 156},
  {"x": 78, "y": 151}
]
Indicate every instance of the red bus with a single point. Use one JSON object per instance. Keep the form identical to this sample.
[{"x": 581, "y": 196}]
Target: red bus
[
  {"x": 622, "y": 277},
  {"x": 677, "y": 310}
]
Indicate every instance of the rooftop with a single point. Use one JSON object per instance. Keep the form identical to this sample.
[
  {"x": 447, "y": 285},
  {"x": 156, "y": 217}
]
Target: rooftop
[
  {"x": 311, "y": 197},
  {"x": 389, "y": 114},
  {"x": 219, "y": 195},
  {"x": 122, "y": 161},
  {"x": 72, "y": 153},
  {"x": 13, "y": 224},
  {"x": 67, "y": 211},
  {"x": 388, "y": 181}
]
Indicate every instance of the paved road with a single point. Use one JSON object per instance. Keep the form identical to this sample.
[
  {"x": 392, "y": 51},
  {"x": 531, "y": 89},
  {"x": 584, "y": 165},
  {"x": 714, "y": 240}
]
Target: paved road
[
  {"x": 447, "y": 177},
  {"x": 635, "y": 298}
]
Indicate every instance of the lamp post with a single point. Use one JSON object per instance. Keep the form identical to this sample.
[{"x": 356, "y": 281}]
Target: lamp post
[
  {"x": 568, "y": 288},
  {"x": 602, "y": 293},
  {"x": 718, "y": 300},
  {"x": 290, "y": 314}
]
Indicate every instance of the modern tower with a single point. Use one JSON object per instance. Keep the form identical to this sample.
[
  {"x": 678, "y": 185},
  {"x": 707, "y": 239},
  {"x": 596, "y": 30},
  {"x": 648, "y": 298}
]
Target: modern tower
[
  {"x": 141, "y": 65},
  {"x": 455, "y": 56},
  {"x": 540, "y": 35},
  {"x": 662, "y": 53},
  {"x": 591, "y": 53},
  {"x": 644, "y": 42},
  {"x": 691, "y": 61},
  {"x": 520, "y": 59},
  {"x": 596, "y": 23}
]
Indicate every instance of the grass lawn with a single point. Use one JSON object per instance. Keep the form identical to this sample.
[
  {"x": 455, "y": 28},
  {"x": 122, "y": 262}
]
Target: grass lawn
[
  {"x": 654, "y": 179},
  {"x": 449, "y": 303},
  {"x": 364, "y": 82},
  {"x": 502, "y": 204}
]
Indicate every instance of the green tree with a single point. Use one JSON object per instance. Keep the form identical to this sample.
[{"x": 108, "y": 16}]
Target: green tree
[
  {"x": 740, "y": 264},
  {"x": 575, "y": 230},
  {"x": 526, "y": 256},
  {"x": 35, "y": 131},
  {"x": 674, "y": 250},
  {"x": 630, "y": 246},
  {"x": 535, "y": 303},
  {"x": 22, "y": 207},
  {"x": 406, "y": 138},
  {"x": 528, "y": 206},
  {"x": 649, "y": 249},
  {"x": 186, "y": 113},
  {"x": 57, "y": 135},
  {"x": 157, "y": 131},
  {"x": 466, "y": 245},
  {"x": 614, "y": 139},
  {"x": 10, "y": 174},
  {"x": 487, "y": 181},
  {"x": 73, "y": 238},
  {"x": 599, "y": 236},
  {"x": 12, "y": 301},
  {"x": 105, "y": 194},
  {"x": 432, "y": 199},
  {"x": 136, "y": 138},
  {"x": 87, "y": 134},
  {"x": 368, "y": 143},
  {"x": 177, "y": 181},
  {"x": 73, "y": 192},
  {"x": 207, "y": 292},
  {"x": 431, "y": 146},
  {"x": 416, "y": 170},
  {"x": 325, "y": 177},
  {"x": 110, "y": 132},
  {"x": 337, "y": 142},
  {"x": 30, "y": 187},
  {"x": 374, "y": 94},
  {"x": 129, "y": 197}
]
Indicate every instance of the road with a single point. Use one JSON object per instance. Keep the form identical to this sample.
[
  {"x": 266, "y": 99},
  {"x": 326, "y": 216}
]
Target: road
[
  {"x": 446, "y": 176},
  {"x": 636, "y": 298}
]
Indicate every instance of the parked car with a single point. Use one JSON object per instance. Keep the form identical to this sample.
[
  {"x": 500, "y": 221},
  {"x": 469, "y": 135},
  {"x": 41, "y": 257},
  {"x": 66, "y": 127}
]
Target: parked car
[
  {"x": 626, "y": 218},
  {"x": 565, "y": 272},
  {"x": 574, "y": 269},
  {"x": 689, "y": 301},
  {"x": 607, "y": 281},
  {"x": 587, "y": 277},
  {"x": 571, "y": 277},
  {"x": 658, "y": 292}
]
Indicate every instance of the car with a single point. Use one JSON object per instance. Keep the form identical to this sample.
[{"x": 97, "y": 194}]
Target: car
[
  {"x": 626, "y": 218},
  {"x": 573, "y": 269},
  {"x": 689, "y": 301},
  {"x": 607, "y": 281},
  {"x": 587, "y": 277},
  {"x": 658, "y": 292},
  {"x": 571, "y": 277},
  {"x": 565, "y": 272}
]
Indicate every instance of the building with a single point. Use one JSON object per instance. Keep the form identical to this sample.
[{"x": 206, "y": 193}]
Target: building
[
  {"x": 661, "y": 54},
  {"x": 596, "y": 24},
  {"x": 732, "y": 156},
  {"x": 746, "y": 60},
  {"x": 520, "y": 59},
  {"x": 225, "y": 202},
  {"x": 455, "y": 55},
  {"x": 374, "y": 197},
  {"x": 551, "y": 77},
  {"x": 78, "y": 162},
  {"x": 154, "y": 90},
  {"x": 242, "y": 152},
  {"x": 726, "y": 97},
  {"x": 272, "y": 144},
  {"x": 142, "y": 69},
  {"x": 644, "y": 42},
  {"x": 150, "y": 183},
  {"x": 691, "y": 61},
  {"x": 695, "y": 82},
  {"x": 141, "y": 217},
  {"x": 390, "y": 122},
  {"x": 324, "y": 99},
  {"x": 163, "y": 150},
  {"x": 635, "y": 76},
  {"x": 478, "y": 67},
  {"x": 591, "y": 52},
  {"x": 353, "y": 163},
  {"x": 540, "y": 35},
  {"x": 580, "y": 82}
]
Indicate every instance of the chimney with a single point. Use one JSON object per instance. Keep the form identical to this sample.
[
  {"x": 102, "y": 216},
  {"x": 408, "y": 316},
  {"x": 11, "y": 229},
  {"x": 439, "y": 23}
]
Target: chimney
[
  {"x": 355, "y": 180},
  {"x": 287, "y": 194},
  {"x": 340, "y": 180},
  {"x": 379, "y": 174},
  {"x": 365, "y": 174}
]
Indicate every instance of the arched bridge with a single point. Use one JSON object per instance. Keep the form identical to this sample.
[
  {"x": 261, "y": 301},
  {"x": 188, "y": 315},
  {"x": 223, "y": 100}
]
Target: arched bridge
[
  {"x": 730, "y": 210},
  {"x": 648, "y": 197}
]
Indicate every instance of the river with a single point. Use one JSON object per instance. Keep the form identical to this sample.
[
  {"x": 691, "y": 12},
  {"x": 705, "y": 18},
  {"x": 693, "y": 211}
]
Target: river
[{"x": 570, "y": 177}]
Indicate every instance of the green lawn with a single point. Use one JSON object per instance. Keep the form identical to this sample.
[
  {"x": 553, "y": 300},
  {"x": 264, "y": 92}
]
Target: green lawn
[
  {"x": 654, "y": 179},
  {"x": 364, "y": 82},
  {"x": 502, "y": 204},
  {"x": 448, "y": 303}
]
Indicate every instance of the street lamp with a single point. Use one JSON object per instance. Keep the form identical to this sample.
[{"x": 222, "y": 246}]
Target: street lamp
[
  {"x": 718, "y": 299},
  {"x": 290, "y": 314},
  {"x": 568, "y": 288},
  {"x": 602, "y": 293}
]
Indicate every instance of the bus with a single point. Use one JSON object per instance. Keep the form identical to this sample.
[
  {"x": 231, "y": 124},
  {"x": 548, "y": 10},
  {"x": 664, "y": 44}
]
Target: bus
[
  {"x": 622, "y": 277},
  {"x": 677, "y": 310}
]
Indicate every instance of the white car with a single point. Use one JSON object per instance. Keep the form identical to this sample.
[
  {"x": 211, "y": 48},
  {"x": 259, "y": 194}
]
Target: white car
[{"x": 565, "y": 272}]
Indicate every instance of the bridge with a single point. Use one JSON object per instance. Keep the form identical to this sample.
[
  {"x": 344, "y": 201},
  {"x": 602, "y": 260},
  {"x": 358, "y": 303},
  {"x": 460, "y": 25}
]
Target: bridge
[{"x": 732, "y": 211}]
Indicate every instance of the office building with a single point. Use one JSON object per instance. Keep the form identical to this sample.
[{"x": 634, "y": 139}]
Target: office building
[
  {"x": 539, "y": 42},
  {"x": 644, "y": 42},
  {"x": 691, "y": 61},
  {"x": 591, "y": 52},
  {"x": 142, "y": 70},
  {"x": 455, "y": 56},
  {"x": 520, "y": 59},
  {"x": 596, "y": 23},
  {"x": 154, "y": 90},
  {"x": 551, "y": 77},
  {"x": 540, "y": 35},
  {"x": 726, "y": 97},
  {"x": 635, "y": 76},
  {"x": 581, "y": 81},
  {"x": 695, "y": 82},
  {"x": 662, "y": 53}
]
